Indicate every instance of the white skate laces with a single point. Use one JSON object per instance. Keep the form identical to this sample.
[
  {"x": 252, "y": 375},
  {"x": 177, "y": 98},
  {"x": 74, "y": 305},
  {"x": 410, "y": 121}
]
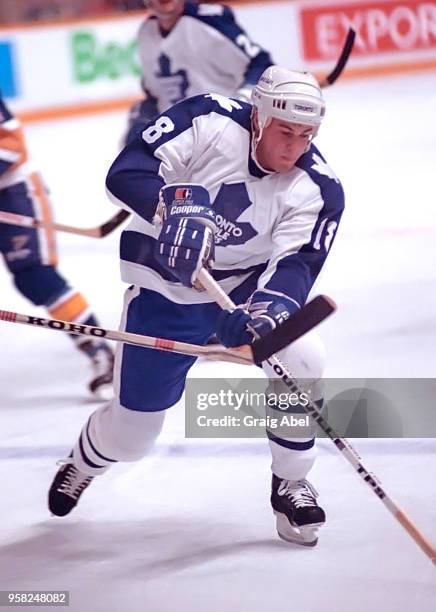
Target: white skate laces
[
  {"x": 302, "y": 493},
  {"x": 74, "y": 481}
]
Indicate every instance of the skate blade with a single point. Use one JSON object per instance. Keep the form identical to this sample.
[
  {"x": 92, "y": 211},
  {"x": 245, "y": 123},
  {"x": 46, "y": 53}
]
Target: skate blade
[{"x": 307, "y": 535}]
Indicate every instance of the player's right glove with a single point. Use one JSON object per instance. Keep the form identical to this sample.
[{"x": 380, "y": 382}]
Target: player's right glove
[
  {"x": 186, "y": 241},
  {"x": 140, "y": 113},
  {"x": 265, "y": 311}
]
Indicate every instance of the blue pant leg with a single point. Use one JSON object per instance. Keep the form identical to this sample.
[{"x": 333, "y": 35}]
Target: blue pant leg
[
  {"x": 19, "y": 245},
  {"x": 152, "y": 380},
  {"x": 35, "y": 279},
  {"x": 42, "y": 285}
]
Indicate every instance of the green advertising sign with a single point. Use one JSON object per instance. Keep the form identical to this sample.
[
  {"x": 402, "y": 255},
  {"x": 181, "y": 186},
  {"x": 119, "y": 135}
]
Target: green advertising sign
[{"x": 93, "y": 60}]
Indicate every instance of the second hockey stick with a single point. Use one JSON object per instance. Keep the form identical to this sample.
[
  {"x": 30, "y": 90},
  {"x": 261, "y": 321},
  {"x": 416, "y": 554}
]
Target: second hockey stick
[
  {"x": 342, "y": 444},
  {"x": 342, "y": 60},
  {"x": 100, "y": 231}
]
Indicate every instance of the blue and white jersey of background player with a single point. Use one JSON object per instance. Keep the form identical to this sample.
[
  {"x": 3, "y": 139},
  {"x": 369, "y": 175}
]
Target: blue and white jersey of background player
[
  {"x": 280, "y": 225},
  {"x": 205, "y": 51}
]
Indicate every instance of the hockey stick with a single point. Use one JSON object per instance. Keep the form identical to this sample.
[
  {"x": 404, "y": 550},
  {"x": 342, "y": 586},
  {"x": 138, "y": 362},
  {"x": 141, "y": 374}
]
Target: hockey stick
[
  {"x": 215, "y": 291},
  {"x": 316, "y": 311},
  {"x": 342, "y": 60},
  {"x": 93, "y": 232}
]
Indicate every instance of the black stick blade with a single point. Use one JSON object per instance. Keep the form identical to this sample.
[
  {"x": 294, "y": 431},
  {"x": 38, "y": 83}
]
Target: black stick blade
[
  {"x": 113, "y": 223},
  {"x": 305, "y": 319},
  {"x": 342, "y": 60}
]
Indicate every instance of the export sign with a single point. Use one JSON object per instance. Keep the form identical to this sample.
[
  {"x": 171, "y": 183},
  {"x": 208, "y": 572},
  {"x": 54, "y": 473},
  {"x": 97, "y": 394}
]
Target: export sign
[{"x": 382, "y": 26}]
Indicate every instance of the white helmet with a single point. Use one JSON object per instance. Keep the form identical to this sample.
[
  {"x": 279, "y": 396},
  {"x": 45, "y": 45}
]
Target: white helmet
[{"x": 288, "y": 95}]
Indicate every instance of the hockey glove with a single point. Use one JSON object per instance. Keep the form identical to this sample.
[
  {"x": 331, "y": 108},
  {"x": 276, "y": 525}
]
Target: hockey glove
[
  {"x": 140, "y": 113},
  {"x": 265, "y": 311},
  {"x": 186, "y": 240}
]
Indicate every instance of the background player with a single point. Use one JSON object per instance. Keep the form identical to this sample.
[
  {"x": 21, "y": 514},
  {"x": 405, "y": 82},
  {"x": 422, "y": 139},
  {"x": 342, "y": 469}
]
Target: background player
[
  {"x": 276, "y": 205},
  {"x": 187, "y": 49},
  {"x": 31, "y": 255}
]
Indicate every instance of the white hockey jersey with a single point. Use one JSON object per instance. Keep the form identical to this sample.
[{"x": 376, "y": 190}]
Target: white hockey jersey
[
  {"x": 278, "y": 224},
  {"x": 205, "y": 51}
]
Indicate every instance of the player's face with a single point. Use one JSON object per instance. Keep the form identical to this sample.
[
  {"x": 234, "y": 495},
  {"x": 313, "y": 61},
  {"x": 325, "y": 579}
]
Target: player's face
[
  {"x": 282, "y": 143},
  {"x": 167, "y": 11}
]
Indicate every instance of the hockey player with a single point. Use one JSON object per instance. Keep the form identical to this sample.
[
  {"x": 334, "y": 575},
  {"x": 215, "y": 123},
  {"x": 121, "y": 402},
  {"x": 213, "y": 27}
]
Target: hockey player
[
  {"x": 31, "y": 254},
  {"x": 214, "y": 178},
  {"x": 187, "y": 49}
]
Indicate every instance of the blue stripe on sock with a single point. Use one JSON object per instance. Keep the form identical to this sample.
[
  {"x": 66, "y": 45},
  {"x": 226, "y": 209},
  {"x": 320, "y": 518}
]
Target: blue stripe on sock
[
  {"x": 85, "y": 458},
  {"x": 300, "y": 446},
  {"x": 93, "y": 447}
]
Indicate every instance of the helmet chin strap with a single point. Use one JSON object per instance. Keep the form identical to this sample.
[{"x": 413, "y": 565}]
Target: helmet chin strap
[
  {"x": 256, "y": 140},
  {"x": 309, "y": 143}
]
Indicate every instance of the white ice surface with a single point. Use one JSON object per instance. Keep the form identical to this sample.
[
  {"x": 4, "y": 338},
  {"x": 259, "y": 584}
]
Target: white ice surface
[{"x": 190, "y": 527}]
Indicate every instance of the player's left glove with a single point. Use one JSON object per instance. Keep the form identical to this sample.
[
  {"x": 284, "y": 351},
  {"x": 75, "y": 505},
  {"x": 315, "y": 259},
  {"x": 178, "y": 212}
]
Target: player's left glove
[
  {"x": 264, "y": 313},
  {"x": 186, "y": 241}
]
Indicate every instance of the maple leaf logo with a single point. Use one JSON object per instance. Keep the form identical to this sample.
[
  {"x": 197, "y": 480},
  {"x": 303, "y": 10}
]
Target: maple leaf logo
[
  {"x": 230, "y": 202},
  {"x": 323, "y": 168}
]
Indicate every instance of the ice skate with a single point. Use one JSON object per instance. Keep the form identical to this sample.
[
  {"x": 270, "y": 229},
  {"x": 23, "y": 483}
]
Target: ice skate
[
  {"x": 298, "y": 515},
  {"x": 66, "y": 488},
  {"x": 100, "y": 384}
]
